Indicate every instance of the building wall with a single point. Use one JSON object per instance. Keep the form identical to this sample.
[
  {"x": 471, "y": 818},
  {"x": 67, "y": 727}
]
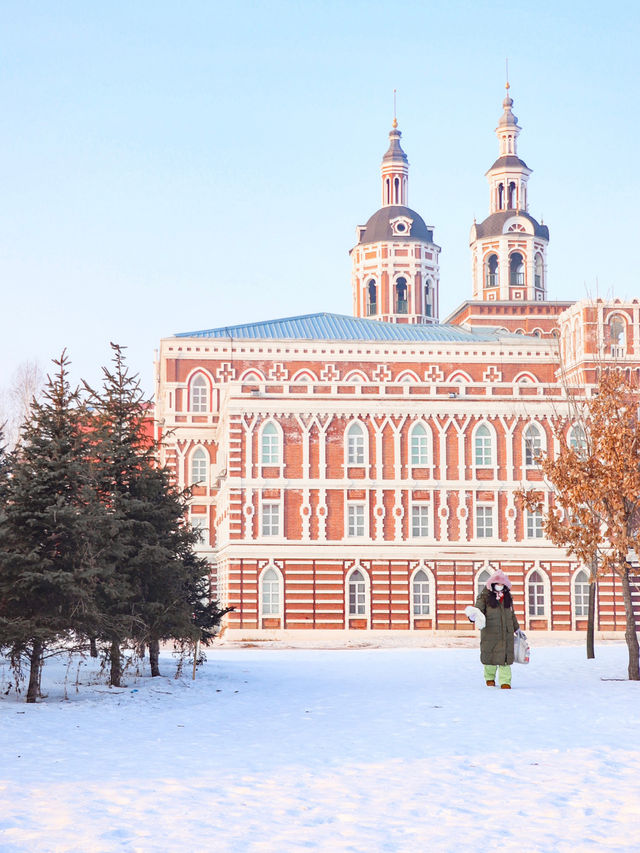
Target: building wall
[{"x": 313, "y": 392}]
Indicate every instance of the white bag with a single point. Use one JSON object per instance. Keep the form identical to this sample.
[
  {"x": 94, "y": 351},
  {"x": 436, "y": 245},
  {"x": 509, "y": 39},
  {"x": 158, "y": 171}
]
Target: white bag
[
  {"x": 521, "y": 648},
  {"x": 477, "y": 616}
]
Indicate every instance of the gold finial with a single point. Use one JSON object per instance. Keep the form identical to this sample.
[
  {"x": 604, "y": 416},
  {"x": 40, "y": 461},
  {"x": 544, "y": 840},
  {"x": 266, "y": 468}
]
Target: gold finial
[
  {"x": 507, "y": 86},
  {"x": 394, "y": 123}
]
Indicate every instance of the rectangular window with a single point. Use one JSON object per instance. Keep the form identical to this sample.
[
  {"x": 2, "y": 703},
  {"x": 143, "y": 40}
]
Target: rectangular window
[
  {"x": 355, "y": 448},
  {"x": 420, "y": 520},
  {"x": 484, "y": 522},
  {"x": 270, "y": 519},
  {"x": 419, "y": 455},
  {"x": 199, "y": 523},
  {"x": 355, "y": 519},
  {"x": 534, "y": 525}
]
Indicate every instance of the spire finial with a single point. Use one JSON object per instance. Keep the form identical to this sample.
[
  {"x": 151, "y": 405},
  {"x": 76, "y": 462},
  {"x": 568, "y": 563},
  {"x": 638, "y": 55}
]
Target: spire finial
[
  {"x": 506, "y": 62},
  {"x": 394, "y": 123}
]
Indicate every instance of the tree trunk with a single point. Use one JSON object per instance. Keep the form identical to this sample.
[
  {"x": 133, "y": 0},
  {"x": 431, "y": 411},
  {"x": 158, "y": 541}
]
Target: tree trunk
[
  {"x": 35, "y": 665},
  {"x": 630, "y": 633},
  {"x": 591, "y": 622},
  {"x": 93, "y": 647},
  {"x": 154, "y": 654},
  {"x": 116, "y": 664}
]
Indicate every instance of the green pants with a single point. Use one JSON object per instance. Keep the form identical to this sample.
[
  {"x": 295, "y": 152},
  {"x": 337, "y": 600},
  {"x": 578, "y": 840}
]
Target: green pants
[{"x": 504, "y": 673}]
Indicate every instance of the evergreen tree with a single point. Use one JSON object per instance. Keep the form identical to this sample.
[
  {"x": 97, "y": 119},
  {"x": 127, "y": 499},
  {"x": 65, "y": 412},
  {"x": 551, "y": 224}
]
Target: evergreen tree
[
  {"x": 47, "y": 527},
  {"x": 153, "y": 591}
]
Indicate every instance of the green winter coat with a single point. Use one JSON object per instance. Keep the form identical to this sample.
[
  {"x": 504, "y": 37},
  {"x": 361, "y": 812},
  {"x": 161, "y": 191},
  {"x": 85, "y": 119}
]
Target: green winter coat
[{"x": 496, "y": 638}]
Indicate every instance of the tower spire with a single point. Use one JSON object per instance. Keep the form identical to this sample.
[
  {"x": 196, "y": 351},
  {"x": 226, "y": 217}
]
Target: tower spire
[{"x": 395, "y": 168}]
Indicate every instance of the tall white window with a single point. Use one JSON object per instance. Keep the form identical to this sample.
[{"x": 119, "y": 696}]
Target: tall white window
[
  {"x": 535, "y": 594},
  {"x": 199, "y": 394},
  {"x": 577, "y": 439},
  {"x": 270, "y": 593},
  {"x": 532, "y": 445},
  {"x": 270, "y": 445},
  {"x": 534, "y": 525},
  {"x": 355, "y": 445},
  {"x": 581, "y": 595},
  {"x": 484, "y": 522},
  {"x": 419, "y": 445},
  {"x": 419, "y": 520},
  {"x": 357, "y": 594},
  {"x": 199, "y": 465},
  {"x": 483, "y": 447},
  {"x": 420, "y": 593},
  {"x": 355, "y": 519},
  {"x": 270, "y": 519},
  {"x": 199, "y": 523},
  {"x": 483, "y": 577}
]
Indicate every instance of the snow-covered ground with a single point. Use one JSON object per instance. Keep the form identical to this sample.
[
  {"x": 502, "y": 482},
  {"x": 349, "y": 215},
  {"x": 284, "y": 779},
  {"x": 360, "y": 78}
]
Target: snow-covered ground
[{"x": 343, "y": 750}]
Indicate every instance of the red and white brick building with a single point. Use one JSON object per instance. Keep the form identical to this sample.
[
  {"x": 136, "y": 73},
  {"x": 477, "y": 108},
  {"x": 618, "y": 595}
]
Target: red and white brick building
[{"x": 360, "y": 472}]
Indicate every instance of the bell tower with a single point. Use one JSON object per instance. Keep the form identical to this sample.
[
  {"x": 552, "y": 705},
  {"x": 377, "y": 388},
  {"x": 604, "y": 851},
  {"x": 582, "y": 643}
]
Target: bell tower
[
  {"x": 395, "y": 273},
  {"x": 509, "y": 248}
]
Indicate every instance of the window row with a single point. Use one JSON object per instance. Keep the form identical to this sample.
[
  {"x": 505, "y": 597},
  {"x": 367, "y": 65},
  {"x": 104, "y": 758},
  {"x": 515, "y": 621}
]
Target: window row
[
  {"x": 357, "y": 593},
  {"x": 357, "y": 521},
  {"x": 419, "y": 449}
]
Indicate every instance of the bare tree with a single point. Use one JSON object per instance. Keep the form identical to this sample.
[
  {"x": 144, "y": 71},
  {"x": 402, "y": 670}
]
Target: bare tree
[{"x": 16, "y": 400}]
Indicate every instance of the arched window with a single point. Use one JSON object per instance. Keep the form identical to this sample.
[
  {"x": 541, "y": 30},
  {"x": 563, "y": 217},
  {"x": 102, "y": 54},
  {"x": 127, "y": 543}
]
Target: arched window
[
  {"x": 270, "y": 593},
  {"x": 483, "y": 577},
  {"x": 401, "y": 304},
  {"x": 270, "y": 446},
  {"x": 539, "y": 271},
  {"x": 357, "y": 594},
  {"x": 512, "y": 196},
  {"x": 532, "y": 445},
  {"x": 372, "y": 298},
  {"x": 420, "y": 594},
  {"x": 396, "y": 191},
  {"x": 577, "y": 439},
  {"x": 199, "y": 466},
  {"x": 500, "y": 196},
  {"x": 617, "y": 336},
  {"x": 581, "y": 594},
  {"x": 516, "y": 269},
  {"x": 428, "y": 299},
  {"x": 535, "y": 595},
  {"x": 355, "y": 445},
  {"x": 491, "y": 275},
  {"x": 483, "y": 447},
  {"x": 199, "y": 394},
  {"x": 419, "y": 454}
]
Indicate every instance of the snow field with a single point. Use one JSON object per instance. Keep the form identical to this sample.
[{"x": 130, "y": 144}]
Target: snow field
[{"x": 343, "y": 750}]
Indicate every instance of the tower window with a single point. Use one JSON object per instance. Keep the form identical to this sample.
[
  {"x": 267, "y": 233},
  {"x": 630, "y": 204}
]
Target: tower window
[
  {"x": 500, "y": 196},
  {"x": 512, "y": 196},
  {"x": 516, "y": 269},
  {"x": 617, "y": 335},
  {"x": 539, "y": 267},
  {"x": 492, "y": 271},
  {"x": 396, "y": 191},
  {"x": 401, "y": 306},
  {"x": 372, "y": 298}
]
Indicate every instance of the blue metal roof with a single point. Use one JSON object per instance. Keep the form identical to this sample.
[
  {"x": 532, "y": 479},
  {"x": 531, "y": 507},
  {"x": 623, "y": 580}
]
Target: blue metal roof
[{"x": 341, "y": 327}]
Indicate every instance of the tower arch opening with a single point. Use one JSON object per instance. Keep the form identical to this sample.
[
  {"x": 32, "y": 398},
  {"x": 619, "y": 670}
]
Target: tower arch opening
[
  {"x": 401, "y": 304},
  {"x": 516, "y": 269}
]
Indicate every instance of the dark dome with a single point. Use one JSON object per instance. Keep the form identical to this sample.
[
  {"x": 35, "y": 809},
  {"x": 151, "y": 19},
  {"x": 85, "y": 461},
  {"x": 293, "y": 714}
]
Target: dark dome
[
  {"x": 493, "y": 225},
  {"x": 379, "y": 226},
  {"x": 509, "y": 161}
]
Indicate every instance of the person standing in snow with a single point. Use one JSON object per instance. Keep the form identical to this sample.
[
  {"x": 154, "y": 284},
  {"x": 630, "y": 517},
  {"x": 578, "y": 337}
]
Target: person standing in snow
[{"x": 494, "y": 614}]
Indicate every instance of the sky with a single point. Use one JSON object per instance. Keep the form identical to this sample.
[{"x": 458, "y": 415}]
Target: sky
[{"x": 167, "y": 167}]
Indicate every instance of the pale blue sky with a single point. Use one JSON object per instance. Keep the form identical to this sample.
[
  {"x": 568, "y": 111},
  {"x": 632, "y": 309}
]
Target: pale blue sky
[{"x": 175, "y": 166}]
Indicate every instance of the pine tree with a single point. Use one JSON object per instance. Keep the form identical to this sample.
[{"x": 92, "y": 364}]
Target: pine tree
[
  {"x": 153, "y": 591},
  {"x": 47, "y": 526}
]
